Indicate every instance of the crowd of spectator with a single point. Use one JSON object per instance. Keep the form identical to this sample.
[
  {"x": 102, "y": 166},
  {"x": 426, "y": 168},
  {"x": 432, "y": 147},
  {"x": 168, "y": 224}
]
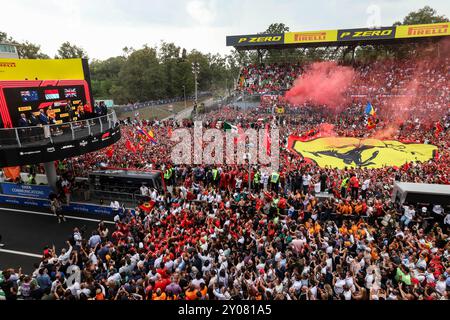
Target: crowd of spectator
[{"x": 212, "y": 237}]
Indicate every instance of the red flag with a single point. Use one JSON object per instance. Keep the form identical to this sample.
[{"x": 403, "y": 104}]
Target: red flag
[
  {"x": 406, "y": 166},
  {"x": 438, "y": 129},
  {"x": 12, "y": 172},
  {"x": 371, "y": 123},
  {"x": 147, "y": 206},
  {"x": 110, "y": 152},
  {"x": 436, "y": 155},
  {"x": 241, "y": 135},
  {"x": 268, "y": 140},
  {"x": 169, "y": 132},
  {"x": 130, "y": 146}
]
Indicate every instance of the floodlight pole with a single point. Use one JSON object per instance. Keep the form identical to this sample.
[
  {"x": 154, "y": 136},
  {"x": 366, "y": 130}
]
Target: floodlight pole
[{"x": 195, "y": 71}]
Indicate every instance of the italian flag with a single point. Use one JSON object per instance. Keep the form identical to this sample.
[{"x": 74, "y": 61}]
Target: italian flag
[
  {"x": 235, "y": 129},
  {"x": 228, "y": 126}
]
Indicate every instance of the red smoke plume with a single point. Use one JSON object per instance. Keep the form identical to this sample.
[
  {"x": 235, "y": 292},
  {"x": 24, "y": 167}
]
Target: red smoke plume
[
  {"x": 422, "y": 100},
  {"x": 326, "y": 130},
  {"x": 325, "y": 83}
]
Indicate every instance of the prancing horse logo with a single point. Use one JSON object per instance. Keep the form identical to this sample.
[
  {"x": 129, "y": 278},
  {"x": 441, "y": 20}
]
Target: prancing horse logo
[{"x": 365, "y": 153}]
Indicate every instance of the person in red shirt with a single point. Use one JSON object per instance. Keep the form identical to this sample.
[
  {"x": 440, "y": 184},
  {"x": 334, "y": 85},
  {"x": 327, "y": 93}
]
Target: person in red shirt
[{"x": 354, "y": 185}]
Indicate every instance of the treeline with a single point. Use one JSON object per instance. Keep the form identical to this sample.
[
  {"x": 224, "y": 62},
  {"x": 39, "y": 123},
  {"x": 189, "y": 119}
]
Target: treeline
[
  {"x": 165, "y": 71},
  {"x": 160, "y": 72}
]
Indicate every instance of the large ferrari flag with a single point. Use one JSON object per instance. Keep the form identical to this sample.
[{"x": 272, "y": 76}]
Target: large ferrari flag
[{"x": 360, "y": 153}]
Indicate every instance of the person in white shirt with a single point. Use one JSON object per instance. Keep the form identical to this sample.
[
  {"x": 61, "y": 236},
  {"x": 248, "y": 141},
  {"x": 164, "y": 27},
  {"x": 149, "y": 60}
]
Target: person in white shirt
[
  {"x": 115, "y": 206},
  {"x": 408, "y": 215},
  {"x": 238, "y": 184},
  {"x": 264, "y": 180},
  {"x": 364, "y": 188},
  {"x": 65, "y": 254},
  {"x": 370, "y": 279},
  {"x": 447, "y": 219},
  {"x": 306, "y": 178},
  {"x": 317, "y": 187},
  {"x": 77, "y": 237},
  {"x": 153, "y": 194},
  {"x": 144, "y": 190}
]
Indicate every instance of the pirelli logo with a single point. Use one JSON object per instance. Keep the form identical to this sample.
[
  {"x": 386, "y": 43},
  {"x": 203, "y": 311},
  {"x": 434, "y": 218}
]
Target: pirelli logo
[
  {"x": 428, "y": 30},
  {"x": 63, "y": 115},
  {"x": 7, "y": 64},
  {"x": 311, "y": 36}
]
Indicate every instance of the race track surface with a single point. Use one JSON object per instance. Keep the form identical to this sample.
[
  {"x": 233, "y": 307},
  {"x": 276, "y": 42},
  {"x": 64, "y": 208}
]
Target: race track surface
[{"x": 27, "y": 231}]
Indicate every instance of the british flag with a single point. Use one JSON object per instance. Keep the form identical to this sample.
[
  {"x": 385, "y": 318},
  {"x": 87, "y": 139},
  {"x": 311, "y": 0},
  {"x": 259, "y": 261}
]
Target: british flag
[{"x": 70, "y": 92}]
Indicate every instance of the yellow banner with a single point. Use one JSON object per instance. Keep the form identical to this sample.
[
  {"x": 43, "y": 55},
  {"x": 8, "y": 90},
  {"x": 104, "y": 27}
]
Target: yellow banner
[
  {"x": 310, "y": 36},
  {"x": 63, "y": 115},
  {"x": 339, "y": 153},
  {"x": 30, "y": 69},
  {"x": 423, "y": 30},
  {"x": 27, "y": 108}
]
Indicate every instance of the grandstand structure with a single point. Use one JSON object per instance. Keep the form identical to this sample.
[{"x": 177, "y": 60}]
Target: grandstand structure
[{"x": 350, "y": 38}]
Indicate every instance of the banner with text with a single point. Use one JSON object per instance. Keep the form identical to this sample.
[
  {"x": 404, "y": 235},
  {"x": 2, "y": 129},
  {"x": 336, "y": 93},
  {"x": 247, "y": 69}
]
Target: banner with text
[{"x": 26, "y": 190}]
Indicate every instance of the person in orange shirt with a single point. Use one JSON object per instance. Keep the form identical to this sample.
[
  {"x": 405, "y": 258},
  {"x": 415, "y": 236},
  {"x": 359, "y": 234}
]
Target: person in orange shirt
[
  {"x": 80, "y": 111},
  {"x": 51, "y": 114},
  {"x": 358, "y": 208},
  {"x": 317, "y": 228},
  {"x": 88, "y": 112},
  {"x": 99, "y": 295},
  {"x": 159, "y": 295},
  {"x": 203, "y": 290},
  {"x": 191, "y": 293},
  {"x": 171, "y": 296},
  {"x": 343, "y": 230}
]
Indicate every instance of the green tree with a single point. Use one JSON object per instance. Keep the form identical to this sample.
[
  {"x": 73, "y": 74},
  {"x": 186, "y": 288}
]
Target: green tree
[
  {"x": 68, "y": 51},
  {"x": 3, "y": 36},
  {"x": 142, "y": 77},
  {"x": 28, "y": 50},
  {"x": 277, "y": 28},
  {"x": 422, "y": 16},
  {"x": 170, "y": 56},
  {"x": 105, "y": 76}
]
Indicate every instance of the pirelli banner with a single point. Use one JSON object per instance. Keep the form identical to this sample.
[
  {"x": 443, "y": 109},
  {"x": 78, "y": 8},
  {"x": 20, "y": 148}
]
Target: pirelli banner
[
  {"x": 341, "y": 36},
  {"x": 423, "y": 30},
  {"x": 310, "y": 36}
]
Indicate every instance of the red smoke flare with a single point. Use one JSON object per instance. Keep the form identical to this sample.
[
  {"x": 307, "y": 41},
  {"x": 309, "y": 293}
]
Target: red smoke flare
[{"x": 325, "y": 83}]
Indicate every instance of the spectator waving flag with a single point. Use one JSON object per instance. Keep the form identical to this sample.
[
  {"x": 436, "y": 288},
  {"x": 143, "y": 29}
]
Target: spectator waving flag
[
  {"x": 149, "y": 135},
  {"x": 438, "y": 129},
  {"x": 371, "y": 123},
  {"x": 370, "y": 111},
  {"x": 110, "y": 152},
  {"x": 236, "y": 130},
  {"x": 147, "y": 206},
  {"x": 130, "y": 146}
]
